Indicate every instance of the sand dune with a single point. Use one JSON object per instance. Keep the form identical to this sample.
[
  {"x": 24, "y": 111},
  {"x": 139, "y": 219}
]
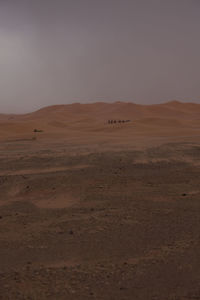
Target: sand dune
[{"x": 88, "y": 118}]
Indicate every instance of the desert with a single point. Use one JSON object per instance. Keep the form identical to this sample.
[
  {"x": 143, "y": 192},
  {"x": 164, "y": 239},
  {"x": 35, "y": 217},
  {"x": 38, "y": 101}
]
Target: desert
[{"x": 96, "y": 210}]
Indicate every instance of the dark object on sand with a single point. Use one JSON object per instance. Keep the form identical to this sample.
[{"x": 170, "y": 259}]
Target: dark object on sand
[
  {"x": 37, "y": 130},
  {"x": 118, "y": 121}
]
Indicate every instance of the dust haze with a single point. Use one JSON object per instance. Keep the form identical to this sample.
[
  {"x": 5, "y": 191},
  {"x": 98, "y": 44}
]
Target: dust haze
[{"x": 60, "y": 52}]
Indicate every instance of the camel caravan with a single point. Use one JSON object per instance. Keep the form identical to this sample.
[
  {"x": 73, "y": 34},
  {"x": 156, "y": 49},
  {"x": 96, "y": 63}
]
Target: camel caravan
[{"x": 118, "y": 121}]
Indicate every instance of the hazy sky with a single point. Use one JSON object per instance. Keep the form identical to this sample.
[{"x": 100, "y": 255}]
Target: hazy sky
[{"x": 64, "y": 51}]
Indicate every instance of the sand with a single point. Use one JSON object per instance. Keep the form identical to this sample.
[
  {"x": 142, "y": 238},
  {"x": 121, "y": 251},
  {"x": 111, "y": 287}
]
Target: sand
[
  {"x": 91, "y": 210},
  {"x": 90, "y": 120}
]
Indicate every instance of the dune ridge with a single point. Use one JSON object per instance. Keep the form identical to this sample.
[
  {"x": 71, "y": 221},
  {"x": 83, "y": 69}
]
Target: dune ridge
[{"x": 90, "y": 117}]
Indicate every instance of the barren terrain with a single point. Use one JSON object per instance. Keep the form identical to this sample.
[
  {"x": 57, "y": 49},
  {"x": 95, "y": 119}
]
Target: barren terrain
[{"x": 91, "y": 210}]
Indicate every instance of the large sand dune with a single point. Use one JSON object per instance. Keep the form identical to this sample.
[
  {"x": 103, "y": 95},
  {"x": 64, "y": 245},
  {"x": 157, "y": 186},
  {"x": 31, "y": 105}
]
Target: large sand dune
[{"x": 79, "y": 119}]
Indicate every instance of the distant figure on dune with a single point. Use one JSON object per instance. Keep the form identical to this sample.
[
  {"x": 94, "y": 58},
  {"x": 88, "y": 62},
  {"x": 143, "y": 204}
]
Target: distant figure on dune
[
  {"x": 37, "y": 130},
  {"x": 119, "y": 121}
]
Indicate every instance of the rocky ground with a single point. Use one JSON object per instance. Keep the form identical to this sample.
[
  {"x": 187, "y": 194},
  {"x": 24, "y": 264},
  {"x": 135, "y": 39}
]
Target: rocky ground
[{"x": 78, "y": 223}]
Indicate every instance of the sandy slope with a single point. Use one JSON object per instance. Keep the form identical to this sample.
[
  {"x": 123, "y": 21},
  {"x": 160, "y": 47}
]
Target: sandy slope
[{"x": 79, "y": 119}]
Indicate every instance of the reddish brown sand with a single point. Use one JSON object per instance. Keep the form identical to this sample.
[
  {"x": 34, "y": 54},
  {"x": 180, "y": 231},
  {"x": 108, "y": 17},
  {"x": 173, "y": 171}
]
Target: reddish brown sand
[{"x": 91, "y": 210}]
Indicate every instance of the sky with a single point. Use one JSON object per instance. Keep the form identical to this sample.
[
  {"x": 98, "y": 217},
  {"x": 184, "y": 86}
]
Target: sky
[{"x": 65, "y": 51}]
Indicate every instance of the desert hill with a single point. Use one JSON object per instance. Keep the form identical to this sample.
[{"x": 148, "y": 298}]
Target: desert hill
[
  {"x": 103, "y": 110},
  {"x": 94, "y": 117}
]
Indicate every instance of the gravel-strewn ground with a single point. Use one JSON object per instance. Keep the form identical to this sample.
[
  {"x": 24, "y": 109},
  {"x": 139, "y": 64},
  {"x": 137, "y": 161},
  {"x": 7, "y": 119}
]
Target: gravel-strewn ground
[{"x": 100, "y": 225}]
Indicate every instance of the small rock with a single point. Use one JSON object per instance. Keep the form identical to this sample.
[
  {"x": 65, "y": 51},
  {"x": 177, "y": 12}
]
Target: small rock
[{"x": 71, "y": 232}]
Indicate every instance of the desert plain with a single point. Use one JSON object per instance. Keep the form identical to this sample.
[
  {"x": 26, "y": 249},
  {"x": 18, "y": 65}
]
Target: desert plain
[{"x": 96, "y": 210}]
